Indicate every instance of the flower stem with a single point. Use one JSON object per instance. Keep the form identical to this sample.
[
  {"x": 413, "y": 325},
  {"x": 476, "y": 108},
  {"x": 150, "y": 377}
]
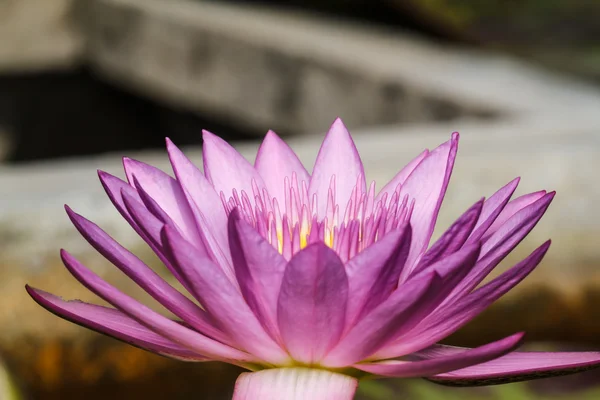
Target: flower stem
[{"x": 296, "y": 383}]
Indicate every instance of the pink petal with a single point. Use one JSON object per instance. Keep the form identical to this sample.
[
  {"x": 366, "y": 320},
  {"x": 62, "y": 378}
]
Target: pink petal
[
  {"x": 440, "y": 359},
  {"x": 276, "y": 161},
  {"x": 150, "y": 226},
  {"x": 454, "y": 267},
  {"x": 401, "y": 176},
  {"x": 453, "y": 239},
  {"x": 226, "y": 169},
  {"x": 113, "y": 187},
  {"x": 427, "y": 186},
  {"x": 294, "y": 384},
  {"x": 521, "y": 366},
  {"x": 113, "y": 323},
  {"x": 373, "y": 273},
  {"x": 166, "y": 192},
  {"x": 399, "y": 313},
  {"x": 312, "y": 302},
  {"x": 205, "y": 204},
  {"x": 259, "y": 270},
  {"x": 149, "y": 280},
  {"x": 492, "y": 208},
  {"x": 221, "y": 299},
  {"x": 502, "y": 242},
  {"x": 163, "y": 326},
  {"x": 512, "y": 208},
  {"x": 337, "y": 158},
  {"x": 450, "y": 317}
]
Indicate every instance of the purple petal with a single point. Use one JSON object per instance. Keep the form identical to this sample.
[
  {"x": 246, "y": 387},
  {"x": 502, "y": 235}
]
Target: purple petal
[
  {"x": 512, "y": 208},
  {"x": 259, "y": 270},
  {"x": 502, "y": 242},
  {"x": 455, "y": 267},
  {"x": 453, "y": 239},
  {"x": 113, "y": 323},
  {"x": 221, "y": 299},
  {"x": 337, "y": 158},
  {"x": 205, "y": 204},
  {"x": 400, "y": 312},
  {"x": 401, "y": 176},
  {"x": 450, "y": 317},
  {"x": 276, "y": 161},
  {"x": 440, "y": 359},
  {"x": 163, "y": 326},
  {"x": 166, "y": 192},
  {"x": 147, "y": 222},
  {"x": 294, "y": 383},
  {"x": 150, "y": 226},
  {"x": 312, "y": 302},
  {"x": 492, "y": 208},
  {"x": 521, "y": 366},
  {"x": 427, "y": 186},
  {"x": 149, "y": 280},
  {"x": 373, "y": 273},
  {"x": 114, "y": 187},
  {"x": 226, "y": 169}
]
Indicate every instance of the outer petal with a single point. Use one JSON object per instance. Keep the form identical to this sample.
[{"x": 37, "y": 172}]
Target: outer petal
[
  {"x": 113, "y": 323},
  {"x": 114, "y": 187},
  {"x": 427, "y": 186},
  {"x": 440, "y": 359},
  {"x": 373, "y": 273},
  {"x": 226, "y": 169},
  {"x": 149, "y": 280},
  {"x": 512, "y": 208},
  {"x": 312, "y": 303},
  {"x": 501, "y": 243},
  {"x": 294, "y": 384},
  {"x": 150, "y": 226},
  {"x": 450, "y": 317},
  {"x": 400, "y": 312},
  {"x": 401, "y": 176},
  {"x": 492, "y": 208},
  {"x": 453, "y": 239},
  {"x": 520, "y": 366},
  {"x": 274, "y": 162},
  {"x": 205, "y": 204},
  {"x": 163, "y": 326},
  {"x": 337, "y": 158},
  {"x": 259, "y": 270},
  {"x": 221, "y": 299},
  {"x": 166, "y": 192}
]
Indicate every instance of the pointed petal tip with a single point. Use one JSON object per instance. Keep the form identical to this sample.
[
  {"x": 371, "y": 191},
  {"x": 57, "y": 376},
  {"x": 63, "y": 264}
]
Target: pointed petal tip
[
  {"x": 338, "y": 126},
  {"x": 208, "y": 135}
]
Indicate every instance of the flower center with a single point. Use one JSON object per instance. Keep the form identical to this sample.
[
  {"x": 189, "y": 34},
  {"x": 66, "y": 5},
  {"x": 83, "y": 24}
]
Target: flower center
[{"x": 295, "y": 223}]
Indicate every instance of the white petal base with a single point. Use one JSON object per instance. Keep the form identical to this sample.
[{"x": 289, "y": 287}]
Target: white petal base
[{"x": 294, "y": 384}]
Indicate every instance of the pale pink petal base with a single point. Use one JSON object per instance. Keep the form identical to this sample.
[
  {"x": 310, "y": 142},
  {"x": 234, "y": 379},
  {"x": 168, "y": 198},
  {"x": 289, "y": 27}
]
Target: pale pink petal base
[{"x": 294, "y": 384}]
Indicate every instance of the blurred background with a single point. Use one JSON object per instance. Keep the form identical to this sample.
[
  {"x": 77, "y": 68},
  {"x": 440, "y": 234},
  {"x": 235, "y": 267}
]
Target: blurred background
[{"x": 83, "y": 82}]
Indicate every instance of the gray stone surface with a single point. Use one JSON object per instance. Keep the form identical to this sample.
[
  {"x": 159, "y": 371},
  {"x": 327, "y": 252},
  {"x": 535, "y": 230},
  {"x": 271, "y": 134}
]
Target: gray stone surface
[
  {"x": 293, "y": 72},
  {"x": 38, "y": 35}
]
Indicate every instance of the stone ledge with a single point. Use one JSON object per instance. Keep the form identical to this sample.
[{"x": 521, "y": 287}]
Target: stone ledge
[
  {"x": 293, "y": 71},
  {"x": 266, "y": 68},
  {"x": 38, "y": 35}
]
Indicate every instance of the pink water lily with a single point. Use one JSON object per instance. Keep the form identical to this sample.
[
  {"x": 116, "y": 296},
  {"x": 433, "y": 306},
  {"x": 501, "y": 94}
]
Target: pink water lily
[{"x": 313, "y": 281}]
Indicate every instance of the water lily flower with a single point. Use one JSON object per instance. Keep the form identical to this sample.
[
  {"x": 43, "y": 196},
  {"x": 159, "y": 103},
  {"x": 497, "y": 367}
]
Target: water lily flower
[{"x": 312, "y": 281}]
